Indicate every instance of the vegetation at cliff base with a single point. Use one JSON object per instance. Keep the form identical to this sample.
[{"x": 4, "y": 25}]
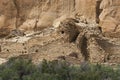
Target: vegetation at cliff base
[{"x": 22, "y": 69}]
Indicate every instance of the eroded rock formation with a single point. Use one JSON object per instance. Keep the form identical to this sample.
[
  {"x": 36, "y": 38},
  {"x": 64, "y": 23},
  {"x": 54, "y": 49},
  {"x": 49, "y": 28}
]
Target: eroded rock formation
[
  {"x": 110, "y": 17},
  {"x": 29, "y": 14},
  {"x": 88, "y": 38},
  {"x": 31, "y": 26}
]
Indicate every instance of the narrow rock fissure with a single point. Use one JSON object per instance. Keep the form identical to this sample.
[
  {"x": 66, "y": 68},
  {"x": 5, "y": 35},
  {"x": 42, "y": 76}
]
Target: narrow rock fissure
[
  {"x": 17, "y": 14},
  {"x": 98, "y": 10},
  {"x": 84, "y": 50}
]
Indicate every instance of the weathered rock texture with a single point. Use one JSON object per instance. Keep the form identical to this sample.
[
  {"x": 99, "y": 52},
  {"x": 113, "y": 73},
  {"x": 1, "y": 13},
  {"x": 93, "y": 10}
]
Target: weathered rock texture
[
  {"x": 33, "y": 15},
  {"x": 38, "y": 15},
  {"x": 87, "y": 8},
  {"x": 88, "y": 38},
  {"x": 29, "y": 14},
  {"x": 86, "y": 43},
  {"x": 110, "y": 17}
]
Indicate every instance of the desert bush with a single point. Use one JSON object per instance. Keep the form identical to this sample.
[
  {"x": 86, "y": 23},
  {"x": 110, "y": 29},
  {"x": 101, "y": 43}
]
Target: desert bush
[{"x": 23, "y": 69}]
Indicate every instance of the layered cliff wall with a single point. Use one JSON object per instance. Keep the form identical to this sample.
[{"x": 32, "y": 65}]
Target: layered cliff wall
[
  {"x": 27, "y": 14},
  {"x": 32, "y": 15}
]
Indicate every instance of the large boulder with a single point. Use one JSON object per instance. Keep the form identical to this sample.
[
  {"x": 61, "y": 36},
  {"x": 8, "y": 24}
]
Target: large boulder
[{"x": 110, "y": 17}]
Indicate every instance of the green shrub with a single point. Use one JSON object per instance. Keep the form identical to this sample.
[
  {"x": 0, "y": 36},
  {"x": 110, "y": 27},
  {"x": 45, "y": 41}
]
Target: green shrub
[
  {"x": 22, "y": 69},
  {"x": 15, "y": 69}
]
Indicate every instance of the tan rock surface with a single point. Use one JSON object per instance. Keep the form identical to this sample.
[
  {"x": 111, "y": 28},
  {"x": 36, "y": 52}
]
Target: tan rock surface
[
  {"x": 29, "y": 14},
  {"x": 110, "y": 17},
  {"x": 36, "y": 17},
  {"x": 2, "y": 60},
  {"x": 86, "y": 8}
]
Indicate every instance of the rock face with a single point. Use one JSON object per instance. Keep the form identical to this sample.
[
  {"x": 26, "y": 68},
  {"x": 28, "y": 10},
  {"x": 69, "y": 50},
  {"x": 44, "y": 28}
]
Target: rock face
[
  {"x": 29, "y": 14},
  {"x": 110, "y": 17},
  {"x": 88, "y": 38},
  {"x": 87, "y": 8},
  {"x": 33, "y": 15}
]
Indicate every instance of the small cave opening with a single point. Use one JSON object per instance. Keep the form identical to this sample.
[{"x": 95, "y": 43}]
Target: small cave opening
[
  {"x": 36, "y": 50},
  {"x": 62, "y": 32}
]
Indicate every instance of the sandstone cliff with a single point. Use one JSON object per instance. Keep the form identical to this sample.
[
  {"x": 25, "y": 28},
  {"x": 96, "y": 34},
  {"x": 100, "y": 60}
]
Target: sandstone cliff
[
  {"x": 28, "y": 14},
  {"x": 38, "y": 18},
  {"x": 110, "y": 17}
]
